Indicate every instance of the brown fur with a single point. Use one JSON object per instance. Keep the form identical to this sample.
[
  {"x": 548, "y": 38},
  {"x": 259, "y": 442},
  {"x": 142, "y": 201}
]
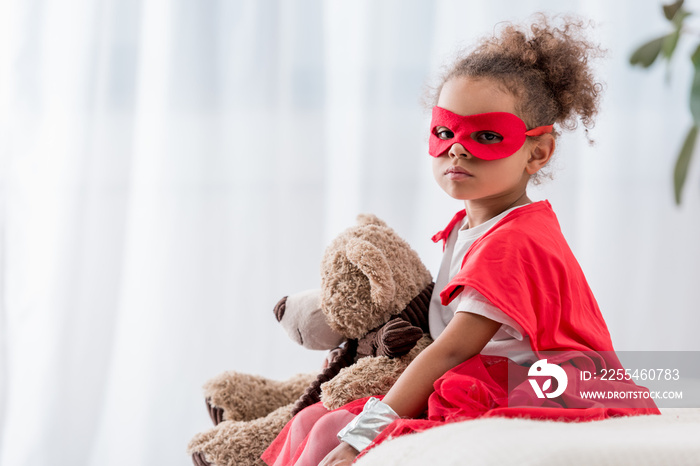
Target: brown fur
[
  {"x": 240, "y": 442},
  {"x": 369, "y": 276},
  {"x": 362, "y": 379},
  {"x": 360, "y": 289},
  {"x": 231, "y": 391},
  {"x": 343, "y": 357}
]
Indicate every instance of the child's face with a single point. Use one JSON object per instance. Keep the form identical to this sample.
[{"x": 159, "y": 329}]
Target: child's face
[{"x": 460, "y": 174}]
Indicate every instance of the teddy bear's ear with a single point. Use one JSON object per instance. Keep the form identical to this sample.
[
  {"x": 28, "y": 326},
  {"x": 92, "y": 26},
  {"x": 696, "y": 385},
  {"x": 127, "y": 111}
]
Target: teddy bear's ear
[
  {"x": 370, "y": 219},
  {"x": 372, "y": 263}
]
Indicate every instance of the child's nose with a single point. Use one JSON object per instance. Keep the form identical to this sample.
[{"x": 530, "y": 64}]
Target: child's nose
[{"x": 458, "y": 150}]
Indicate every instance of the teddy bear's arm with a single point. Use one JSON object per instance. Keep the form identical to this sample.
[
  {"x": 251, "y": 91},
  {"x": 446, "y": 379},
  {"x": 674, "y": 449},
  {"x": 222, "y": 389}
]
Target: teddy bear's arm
[
  {"x": 243, "y": 397},
  {"x": 370, "y": 376}
]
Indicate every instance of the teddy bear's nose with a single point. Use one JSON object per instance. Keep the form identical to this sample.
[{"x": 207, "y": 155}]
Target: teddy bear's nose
[{"x": 280, "y": 308}]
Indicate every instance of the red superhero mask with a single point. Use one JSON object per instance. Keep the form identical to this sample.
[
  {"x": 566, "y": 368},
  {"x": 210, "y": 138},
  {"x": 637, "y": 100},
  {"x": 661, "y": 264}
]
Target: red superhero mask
[{"x": 488, "y": 136}]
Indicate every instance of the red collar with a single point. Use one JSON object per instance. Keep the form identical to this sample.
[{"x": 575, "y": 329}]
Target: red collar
[{"x": 444, "y": 234}]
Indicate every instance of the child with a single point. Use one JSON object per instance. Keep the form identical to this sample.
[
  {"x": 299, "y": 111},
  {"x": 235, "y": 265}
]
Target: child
[{"x": 508, "y": 284}]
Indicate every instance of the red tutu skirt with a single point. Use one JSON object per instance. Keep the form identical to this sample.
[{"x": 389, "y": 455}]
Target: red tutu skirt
[{"x": 479, "y": 387}]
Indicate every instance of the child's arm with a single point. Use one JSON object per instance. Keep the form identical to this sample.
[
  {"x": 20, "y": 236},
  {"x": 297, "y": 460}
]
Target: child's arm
[{"x": 465, "y": 336}]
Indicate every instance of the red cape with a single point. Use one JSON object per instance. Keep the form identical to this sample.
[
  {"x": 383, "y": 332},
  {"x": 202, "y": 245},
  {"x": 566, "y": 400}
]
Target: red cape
[{"x": 524, "y": 266}]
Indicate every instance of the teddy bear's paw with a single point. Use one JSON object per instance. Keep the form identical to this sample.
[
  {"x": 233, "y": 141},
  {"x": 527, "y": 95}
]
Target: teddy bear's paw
[
  {"x": 198, "y": 460},
  {"x": 215, "y": 413},
  {"x": 238, "y": 443},
  {"x": 233, "y": 396},
  {"x": 229, "y": 444},
  {"x": 397, "y": 337}
]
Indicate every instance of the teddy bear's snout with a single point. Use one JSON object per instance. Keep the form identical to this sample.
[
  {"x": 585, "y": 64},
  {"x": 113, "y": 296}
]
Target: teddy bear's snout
[{"x": 280, "y": 307}]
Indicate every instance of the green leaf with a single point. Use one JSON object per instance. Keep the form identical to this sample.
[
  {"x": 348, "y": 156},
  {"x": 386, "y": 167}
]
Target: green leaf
[
  {"x": 683, "y": 161},
  {"x": 671, "y": 9},
  {"x": 679, "y": 18},
  {"x": 646, "y": 54},
  {"x": 695, "y": 58},
  {"x": 670, "y": 42},
  {"x": 695, "y": 91}
]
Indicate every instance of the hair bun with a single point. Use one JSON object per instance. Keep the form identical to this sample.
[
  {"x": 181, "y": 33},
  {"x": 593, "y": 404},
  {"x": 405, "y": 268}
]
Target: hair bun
[{"x": 547, "y": 67}]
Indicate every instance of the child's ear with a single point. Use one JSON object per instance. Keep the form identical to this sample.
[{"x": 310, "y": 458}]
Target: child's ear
[{"x": 540, "y": 153}]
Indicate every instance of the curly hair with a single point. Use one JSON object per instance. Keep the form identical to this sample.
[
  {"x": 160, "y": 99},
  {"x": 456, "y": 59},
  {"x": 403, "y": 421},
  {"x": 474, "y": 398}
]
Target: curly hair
[{"x": 546, "y": 68}]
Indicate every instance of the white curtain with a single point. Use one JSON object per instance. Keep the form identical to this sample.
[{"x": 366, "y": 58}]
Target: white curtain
[{"x": 169, "y": 169}]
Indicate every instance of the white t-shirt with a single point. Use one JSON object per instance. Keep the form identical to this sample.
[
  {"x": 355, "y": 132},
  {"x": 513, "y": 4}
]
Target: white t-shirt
[{"x": 510, "y": 338}]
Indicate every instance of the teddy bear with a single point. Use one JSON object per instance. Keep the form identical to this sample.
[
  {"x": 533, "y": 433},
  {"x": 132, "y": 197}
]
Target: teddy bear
[{"x": 371, "y": 313}]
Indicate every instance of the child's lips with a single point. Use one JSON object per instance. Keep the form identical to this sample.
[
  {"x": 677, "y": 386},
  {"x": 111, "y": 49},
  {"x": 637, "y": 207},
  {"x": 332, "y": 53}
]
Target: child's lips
[{"x": 457, "y": 173}]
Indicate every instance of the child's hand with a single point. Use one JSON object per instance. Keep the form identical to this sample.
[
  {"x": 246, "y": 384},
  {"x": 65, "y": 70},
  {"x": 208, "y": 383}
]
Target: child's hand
[{"x": 342, "y": 455}]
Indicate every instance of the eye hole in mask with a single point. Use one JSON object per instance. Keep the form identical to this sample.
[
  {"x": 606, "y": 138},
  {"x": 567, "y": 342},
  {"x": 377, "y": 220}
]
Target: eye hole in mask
[
  {"x": 482, "y": 137},
  {"x": 488, "y": 136}
]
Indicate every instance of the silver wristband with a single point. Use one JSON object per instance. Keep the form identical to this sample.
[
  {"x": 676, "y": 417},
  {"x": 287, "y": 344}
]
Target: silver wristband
[{"x": 362, "y": 430}]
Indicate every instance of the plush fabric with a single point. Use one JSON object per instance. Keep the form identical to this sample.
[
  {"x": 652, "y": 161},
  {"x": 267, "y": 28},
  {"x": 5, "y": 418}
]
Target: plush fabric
[
  {"x": 375, "y": 293},
  {"x": 670, "y": 439}
]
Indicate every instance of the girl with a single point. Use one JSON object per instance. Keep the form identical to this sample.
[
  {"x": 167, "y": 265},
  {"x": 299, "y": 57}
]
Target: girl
[{"x": 509, "y": 287}]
